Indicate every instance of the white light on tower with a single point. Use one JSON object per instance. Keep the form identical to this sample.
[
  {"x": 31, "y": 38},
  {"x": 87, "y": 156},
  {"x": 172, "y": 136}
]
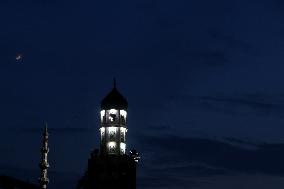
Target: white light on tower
[
  {"x": 112, "y": 129},
  {"x": 111, "y": 145},
  {"x": 123, "y": 130},
  {"x": 102, "y": 129},
  {"x": 122, "y": 147},
  {"x": 123, "y": 113},
  {"x": 102, "y": 114}
]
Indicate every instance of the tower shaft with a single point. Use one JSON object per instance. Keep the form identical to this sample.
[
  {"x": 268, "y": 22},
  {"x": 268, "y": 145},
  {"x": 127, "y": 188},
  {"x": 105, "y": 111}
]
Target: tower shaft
[
  {"x": 111, "y": 166},
  {"x": 43, "y": 180}
]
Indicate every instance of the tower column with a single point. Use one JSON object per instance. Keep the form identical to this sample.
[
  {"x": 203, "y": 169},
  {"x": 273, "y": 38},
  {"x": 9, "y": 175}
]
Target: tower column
[
  {"x": 43, "y": 180},
  {"x": 113, "y": 123},
  {"x": 112, "y": 167}
]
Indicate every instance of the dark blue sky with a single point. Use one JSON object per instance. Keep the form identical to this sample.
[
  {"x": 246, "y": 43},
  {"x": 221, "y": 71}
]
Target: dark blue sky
[{"x": 204, "y": 81}]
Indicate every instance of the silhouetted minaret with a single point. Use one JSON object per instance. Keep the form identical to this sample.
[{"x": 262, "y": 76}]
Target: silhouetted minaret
[{"x": 43, "y": 180}]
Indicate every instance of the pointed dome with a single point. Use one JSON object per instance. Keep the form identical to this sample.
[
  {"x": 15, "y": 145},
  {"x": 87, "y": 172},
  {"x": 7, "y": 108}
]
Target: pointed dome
[{"x": 114, "y": 100}]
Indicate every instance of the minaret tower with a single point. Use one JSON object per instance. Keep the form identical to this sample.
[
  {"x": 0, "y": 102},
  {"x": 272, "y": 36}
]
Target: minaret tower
[
  {"x": 43, "y": 180},
  {"x": 113, "y": 123},
  {"x": 111, "y": 167}
]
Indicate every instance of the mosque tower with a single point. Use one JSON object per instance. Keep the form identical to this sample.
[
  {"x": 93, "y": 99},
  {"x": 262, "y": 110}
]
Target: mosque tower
[
  {"x": 43, "y": 180},
  {"x": 113, "y": 123},
  {"x": 111, "y": 166}
]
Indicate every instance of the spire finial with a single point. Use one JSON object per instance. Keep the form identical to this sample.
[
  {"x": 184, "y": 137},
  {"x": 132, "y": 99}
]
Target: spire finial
[
  {"x": 114, "y": 82},
  {"x": 45, "y": 127}
]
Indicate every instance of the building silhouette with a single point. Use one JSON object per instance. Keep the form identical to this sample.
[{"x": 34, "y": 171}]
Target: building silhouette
[{"x": 111, "y": 166}]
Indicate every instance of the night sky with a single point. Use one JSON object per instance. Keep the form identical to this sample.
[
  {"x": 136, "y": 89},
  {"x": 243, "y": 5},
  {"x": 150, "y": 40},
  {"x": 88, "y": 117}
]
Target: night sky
[{"x": 204, "y": 82}]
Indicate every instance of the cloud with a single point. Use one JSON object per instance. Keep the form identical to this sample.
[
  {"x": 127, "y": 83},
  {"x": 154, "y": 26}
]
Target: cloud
[
  {"x": 215, "y": 154},
  {"x": 187, "y": 161},
  {"x": 261, "y": 104},
  {"x": 166, "y": 182}
]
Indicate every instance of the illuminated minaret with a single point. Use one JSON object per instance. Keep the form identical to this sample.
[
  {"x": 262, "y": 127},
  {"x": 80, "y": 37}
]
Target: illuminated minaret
[
  {"x": 43, "y": 180},
  {"x": 113, "y": 123},
  {"x": 111, "y": 167}
]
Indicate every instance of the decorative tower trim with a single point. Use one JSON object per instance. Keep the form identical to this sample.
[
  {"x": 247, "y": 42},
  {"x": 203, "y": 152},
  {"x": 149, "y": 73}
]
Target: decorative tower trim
[{"x": 43, "y": 180}]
